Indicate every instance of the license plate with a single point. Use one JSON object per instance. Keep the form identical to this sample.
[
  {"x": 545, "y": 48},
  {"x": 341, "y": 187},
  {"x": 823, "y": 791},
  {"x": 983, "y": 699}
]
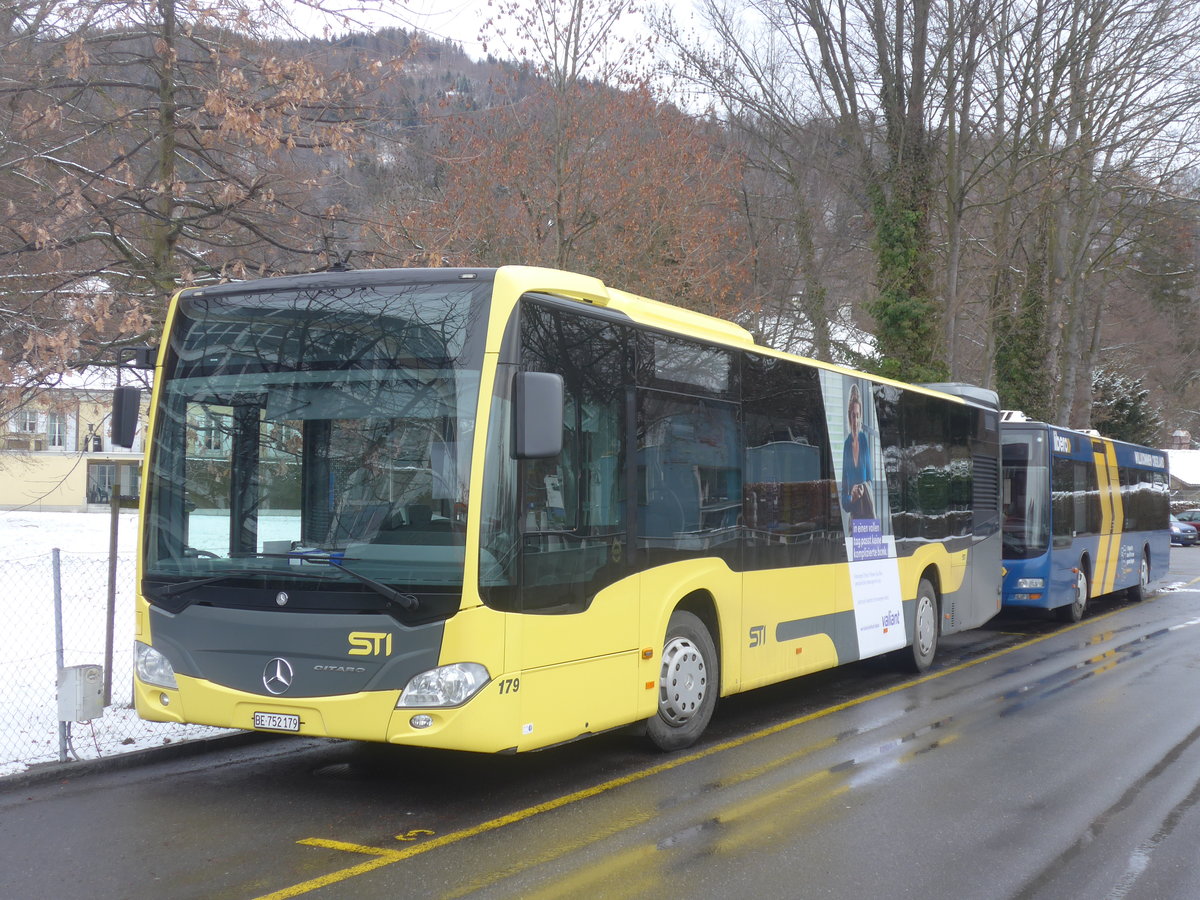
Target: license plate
[{"x": 276, "y": 721}]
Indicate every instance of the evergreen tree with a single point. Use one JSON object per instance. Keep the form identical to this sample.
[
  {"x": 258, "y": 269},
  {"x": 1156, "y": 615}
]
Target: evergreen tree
[
  {"x": 1122, "y": 410},
  {"x": 1022, "y": 382}
]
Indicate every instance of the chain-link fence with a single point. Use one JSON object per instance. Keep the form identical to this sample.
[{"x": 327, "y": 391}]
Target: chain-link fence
[{"x": 36, "y": 642}]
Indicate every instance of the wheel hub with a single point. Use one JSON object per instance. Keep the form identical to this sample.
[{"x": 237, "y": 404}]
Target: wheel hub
[
  {"x": 683, "y": 682},
  {"x": 926, "y": 625}
]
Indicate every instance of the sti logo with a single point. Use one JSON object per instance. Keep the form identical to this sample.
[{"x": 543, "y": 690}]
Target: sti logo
[
  {"x": 1062, "y": 443},
  {"x": 370, "y": 643}
]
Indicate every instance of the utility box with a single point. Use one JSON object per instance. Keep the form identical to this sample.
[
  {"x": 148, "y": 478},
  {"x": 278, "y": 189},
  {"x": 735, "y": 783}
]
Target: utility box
[{"x": 80, "y": 693}]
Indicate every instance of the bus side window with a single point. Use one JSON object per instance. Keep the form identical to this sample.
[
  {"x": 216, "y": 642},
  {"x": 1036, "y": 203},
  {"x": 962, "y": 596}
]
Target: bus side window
[
  {"x": 790, "y": 508},
  {"x": 1065, "y": 508},
  {"x": 689, "y": 472}
]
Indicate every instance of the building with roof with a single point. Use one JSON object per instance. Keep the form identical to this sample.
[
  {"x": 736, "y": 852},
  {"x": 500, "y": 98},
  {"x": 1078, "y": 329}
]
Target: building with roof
[{"x": 56, "y": 452}]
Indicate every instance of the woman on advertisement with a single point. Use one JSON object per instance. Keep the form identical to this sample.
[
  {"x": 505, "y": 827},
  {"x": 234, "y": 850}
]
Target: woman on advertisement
[{"x": 856, "y": 461}]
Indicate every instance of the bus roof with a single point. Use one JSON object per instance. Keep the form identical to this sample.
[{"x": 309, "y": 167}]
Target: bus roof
[{"x": 1142, "y": 456}]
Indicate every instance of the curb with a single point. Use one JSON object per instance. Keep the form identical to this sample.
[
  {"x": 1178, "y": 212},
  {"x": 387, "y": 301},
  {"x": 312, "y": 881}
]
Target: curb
[{"x": 44, "y": 773}]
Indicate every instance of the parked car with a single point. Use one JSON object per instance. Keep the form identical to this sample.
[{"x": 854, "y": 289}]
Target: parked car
[
  {"x": 1182, "y": 533},
  {"x": 1190, "y": 515}
]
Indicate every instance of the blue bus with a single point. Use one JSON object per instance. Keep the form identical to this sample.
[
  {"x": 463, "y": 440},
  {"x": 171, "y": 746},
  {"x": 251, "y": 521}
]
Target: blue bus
[{"x": 1084, "y": 516}]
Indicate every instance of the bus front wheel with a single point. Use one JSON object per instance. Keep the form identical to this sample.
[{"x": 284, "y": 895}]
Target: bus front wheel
[
  {"x": 1073, "y": 611},
  {"x": 687, "y": 684}
]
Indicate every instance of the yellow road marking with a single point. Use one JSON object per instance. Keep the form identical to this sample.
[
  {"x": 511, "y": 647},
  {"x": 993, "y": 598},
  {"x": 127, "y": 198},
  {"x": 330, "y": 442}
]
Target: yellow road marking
[
  {"x": 414, "y": 834},
  {"x": 625, "y": 875},
  {"x": 559, "y": 850},
  {"x": 386, "y": 857},
  {"x": 350, "y": 848}
]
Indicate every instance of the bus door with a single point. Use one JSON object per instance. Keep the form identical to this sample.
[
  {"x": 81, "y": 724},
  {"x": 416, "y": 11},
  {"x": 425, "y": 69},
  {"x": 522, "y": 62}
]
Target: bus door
[{"x": 575, "y": 636}]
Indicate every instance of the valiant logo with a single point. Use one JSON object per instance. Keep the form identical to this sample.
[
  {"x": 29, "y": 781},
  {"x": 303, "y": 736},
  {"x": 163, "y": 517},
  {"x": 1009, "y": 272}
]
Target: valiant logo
[{"x": 890, "y": 620}]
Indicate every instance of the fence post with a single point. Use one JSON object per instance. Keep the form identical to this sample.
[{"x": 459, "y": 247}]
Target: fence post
[
  {"x": 56, "y": 573},
  {"x": 111, "y": 612}
]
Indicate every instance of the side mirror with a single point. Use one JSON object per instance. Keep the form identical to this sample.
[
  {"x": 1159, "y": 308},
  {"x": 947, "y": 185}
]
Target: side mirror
[
  {"x": 537, "y": 415},
  {"x": 126, "y": 404}
]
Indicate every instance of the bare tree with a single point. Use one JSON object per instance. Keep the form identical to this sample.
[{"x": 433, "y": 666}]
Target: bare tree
[
  {"x": 1003, "y": 153},
  {"x": 150, "y": 144},
  {"x": 748, "y": 77},
  {"x": 1103, "y": 109},
  {"x": 866, "y": 67}
]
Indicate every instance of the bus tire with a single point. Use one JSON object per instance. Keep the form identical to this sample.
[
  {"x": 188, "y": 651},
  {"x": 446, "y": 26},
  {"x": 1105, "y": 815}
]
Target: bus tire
[
  {"x": 1073, "y": 611},
  {"x": 918, "y": 657},
  {"x": 1138, "y": 592},
  {"x": 687, "y": 685}
]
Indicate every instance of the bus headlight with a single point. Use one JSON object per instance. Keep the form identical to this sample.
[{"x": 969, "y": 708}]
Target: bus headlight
[
  {"x": 152, "y": 667},
  {"x": 1030, "y": 584},
  {"x": 450, "y": 685}
]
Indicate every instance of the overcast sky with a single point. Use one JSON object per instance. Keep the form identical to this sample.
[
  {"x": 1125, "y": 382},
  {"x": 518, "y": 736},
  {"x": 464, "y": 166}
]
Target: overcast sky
[{"x": 460, "y": 20}]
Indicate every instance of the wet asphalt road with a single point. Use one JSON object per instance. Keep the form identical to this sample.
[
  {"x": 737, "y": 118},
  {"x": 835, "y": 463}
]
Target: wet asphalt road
[{"x": 1033, "y": 761}]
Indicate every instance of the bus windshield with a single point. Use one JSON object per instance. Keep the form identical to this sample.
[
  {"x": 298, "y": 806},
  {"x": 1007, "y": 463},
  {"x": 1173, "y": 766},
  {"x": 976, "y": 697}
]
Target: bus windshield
[
  {"x": 316, "y": 434},
  {"x": 1026, "y": 492}
]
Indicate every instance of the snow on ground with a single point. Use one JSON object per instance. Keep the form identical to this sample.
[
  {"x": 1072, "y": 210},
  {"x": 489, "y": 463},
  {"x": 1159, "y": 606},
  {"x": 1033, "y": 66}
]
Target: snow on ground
[
  {"x": 28, "y": 667},
  {"x": 24, "y": 534}
]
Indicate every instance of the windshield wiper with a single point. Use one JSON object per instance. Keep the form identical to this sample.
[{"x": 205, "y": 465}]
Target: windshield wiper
[
  {"x": 182, "y": 587},
  {"x": 399, "y": 598},
  {"x": 404, "y": 601}
]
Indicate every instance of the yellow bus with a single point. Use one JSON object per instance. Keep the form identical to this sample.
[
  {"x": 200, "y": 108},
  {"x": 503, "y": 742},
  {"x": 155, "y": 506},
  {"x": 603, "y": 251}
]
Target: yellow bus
[{"x": 501, "y": 509}]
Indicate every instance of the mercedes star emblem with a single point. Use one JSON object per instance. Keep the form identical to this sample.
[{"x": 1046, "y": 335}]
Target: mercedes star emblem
[{"x": 277, "y": 676}]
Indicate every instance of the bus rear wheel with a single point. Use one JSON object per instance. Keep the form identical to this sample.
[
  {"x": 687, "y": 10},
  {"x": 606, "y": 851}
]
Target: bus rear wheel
[
  {"x": 687, "y": 684},
  {"x": 1138, "y": 592},
  {"x": 1073, "y": 611},
  {"x": 926, "y": 630}
]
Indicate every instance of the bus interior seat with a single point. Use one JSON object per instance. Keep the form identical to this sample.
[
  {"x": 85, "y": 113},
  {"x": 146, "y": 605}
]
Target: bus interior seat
[{"x": 415, "y": 524}]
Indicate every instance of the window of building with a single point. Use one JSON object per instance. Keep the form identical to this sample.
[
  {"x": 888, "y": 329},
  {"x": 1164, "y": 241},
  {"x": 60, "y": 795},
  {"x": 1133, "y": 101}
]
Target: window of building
[
  {"x": 56, "y": 430},
  {"x": 26, "y": 421},
  {"x": 217, "y": 424},
  {"x": 103, "y": 478},
  {"x": 100, "y": 481}
]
